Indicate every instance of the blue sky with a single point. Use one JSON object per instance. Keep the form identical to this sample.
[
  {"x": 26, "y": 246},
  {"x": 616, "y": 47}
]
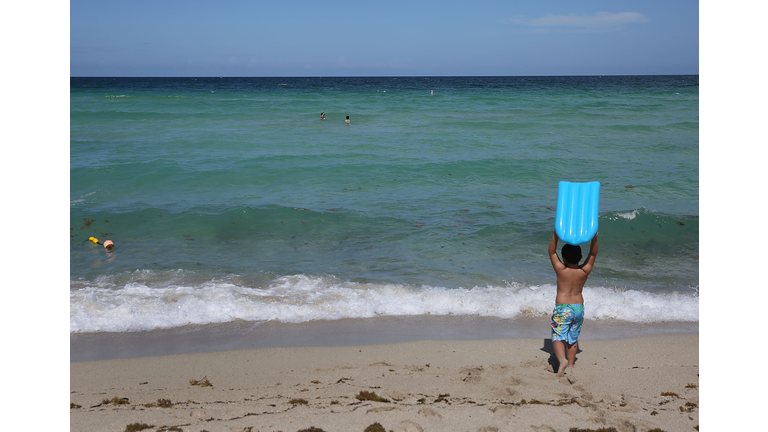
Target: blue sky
[{"x": 403, "y": 38}]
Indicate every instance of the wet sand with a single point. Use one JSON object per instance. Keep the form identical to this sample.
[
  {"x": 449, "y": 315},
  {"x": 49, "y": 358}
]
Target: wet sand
[{"x": 344, "y": 332}]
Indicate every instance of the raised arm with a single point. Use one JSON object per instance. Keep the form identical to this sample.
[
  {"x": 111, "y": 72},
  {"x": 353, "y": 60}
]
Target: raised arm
[
  {"x": 590, "y": 262},
  {"x": 556, "y": 263}
]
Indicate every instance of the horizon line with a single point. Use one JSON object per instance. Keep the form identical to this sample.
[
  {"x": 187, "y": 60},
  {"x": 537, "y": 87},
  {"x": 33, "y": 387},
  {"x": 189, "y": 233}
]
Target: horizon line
[{"x": 380, "y": 76}]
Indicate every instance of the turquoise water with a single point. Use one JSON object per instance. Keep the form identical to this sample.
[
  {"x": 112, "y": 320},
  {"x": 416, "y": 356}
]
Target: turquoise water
[{"x": 229, "y": 198}]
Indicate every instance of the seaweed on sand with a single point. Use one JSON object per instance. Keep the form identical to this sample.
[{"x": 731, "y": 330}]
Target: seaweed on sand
[
  {"x": 115, "y": 401},
  {"x": 375, "y": 427},
  {"x": 689, "y": 406},
  {"x": 135, "y": 427},
  {"x": 162, "y": 403},
  {"x": 202, "y": 383},
  {"x": 371, "y": 396},
  {"x": 609, "y": 429}
]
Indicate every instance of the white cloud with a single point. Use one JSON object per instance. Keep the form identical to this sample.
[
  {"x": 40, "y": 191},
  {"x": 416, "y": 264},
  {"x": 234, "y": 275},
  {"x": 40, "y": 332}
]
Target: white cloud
[{"x": 599, "y": 20}]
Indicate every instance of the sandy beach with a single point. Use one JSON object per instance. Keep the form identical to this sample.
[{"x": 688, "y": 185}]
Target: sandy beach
[{"x": 640, "y": 383}]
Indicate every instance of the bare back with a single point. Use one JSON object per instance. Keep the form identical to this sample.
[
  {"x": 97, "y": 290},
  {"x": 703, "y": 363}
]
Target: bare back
[
  {"x": 571, "y": 278},
  {"x": 570, "y": 282}
]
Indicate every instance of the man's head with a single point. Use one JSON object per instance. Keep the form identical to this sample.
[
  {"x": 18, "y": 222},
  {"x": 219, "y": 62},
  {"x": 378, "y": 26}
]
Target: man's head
[{"x": 571, "y": 254}]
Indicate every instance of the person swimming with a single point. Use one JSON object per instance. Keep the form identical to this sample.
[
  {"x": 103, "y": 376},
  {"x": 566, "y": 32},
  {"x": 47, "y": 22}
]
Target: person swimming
[{"x": 322, "y": 116}]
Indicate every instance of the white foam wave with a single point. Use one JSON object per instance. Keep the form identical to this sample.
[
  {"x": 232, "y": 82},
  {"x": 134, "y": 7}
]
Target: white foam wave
[
  {"x": 81, "y": 199},
  {"x": 102, "y": 306},
  {"x": 626, "y": 215}
]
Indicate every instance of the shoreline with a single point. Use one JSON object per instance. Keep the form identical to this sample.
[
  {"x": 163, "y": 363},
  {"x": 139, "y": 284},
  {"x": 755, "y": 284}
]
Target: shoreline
[
  {"x": 241, "y": 335},
  {"x": 635, "y": 383}
]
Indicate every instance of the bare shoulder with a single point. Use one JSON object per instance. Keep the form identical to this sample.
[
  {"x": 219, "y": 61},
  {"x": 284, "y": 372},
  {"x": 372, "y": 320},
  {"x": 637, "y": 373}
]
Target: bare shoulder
[
  {"x": 587, "y": 266},
  {"x": 571, "y": 274}
]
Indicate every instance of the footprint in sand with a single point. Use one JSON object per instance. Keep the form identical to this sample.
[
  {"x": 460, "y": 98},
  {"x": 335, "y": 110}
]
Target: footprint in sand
[
  {"x": 430, "y": 414},
  {"x": 535, "y": 363},
  {"x": 410, "y": 426},
  {"x": 471, "y": 374},
  {"x": 382, "y": 363},
  {"x": 503, "y": 393},
  {"x": 397, "y": 395},
  {"x": 471, "y": 370},
  {"x": 501, "y": 410},
  {"x": 513, "y": 381},
  {"x": 380, "y": 410}
]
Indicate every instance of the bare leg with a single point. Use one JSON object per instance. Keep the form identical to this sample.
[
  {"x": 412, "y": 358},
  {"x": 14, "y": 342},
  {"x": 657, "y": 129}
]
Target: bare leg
[
  {"x": 572, "y": 354},
  {"x": 559, "y": 347}
]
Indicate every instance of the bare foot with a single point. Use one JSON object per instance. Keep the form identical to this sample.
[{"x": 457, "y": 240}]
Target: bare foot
[{"x": 563, "y": 365}]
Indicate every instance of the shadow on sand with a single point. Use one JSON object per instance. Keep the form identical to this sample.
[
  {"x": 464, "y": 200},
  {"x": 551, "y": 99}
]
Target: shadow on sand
[{"x": 553, "y": 361}]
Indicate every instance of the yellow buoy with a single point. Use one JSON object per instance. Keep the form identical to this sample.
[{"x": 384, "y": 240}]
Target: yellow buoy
[{"x": 94, "y": 239}]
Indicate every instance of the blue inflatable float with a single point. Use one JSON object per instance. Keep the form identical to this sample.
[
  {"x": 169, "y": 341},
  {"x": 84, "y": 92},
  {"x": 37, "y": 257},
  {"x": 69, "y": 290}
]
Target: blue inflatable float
[{"x": 577, "y": 206}]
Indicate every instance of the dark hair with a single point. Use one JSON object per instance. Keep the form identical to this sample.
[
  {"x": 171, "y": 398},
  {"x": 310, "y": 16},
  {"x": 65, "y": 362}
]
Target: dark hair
[{"x": 571, "y": 254}]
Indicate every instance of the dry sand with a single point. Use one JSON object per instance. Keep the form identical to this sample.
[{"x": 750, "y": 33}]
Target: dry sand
[{"x": 634, "y": 384}]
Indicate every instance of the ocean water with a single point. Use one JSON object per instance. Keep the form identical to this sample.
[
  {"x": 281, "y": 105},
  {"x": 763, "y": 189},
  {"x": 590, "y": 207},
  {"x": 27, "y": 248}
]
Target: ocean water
[{"x": 229, "y": 199}]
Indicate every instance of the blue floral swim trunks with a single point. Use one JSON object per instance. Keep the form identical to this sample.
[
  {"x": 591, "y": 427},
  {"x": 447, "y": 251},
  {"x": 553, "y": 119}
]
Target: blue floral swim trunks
[{"x": 566, "y": 322}]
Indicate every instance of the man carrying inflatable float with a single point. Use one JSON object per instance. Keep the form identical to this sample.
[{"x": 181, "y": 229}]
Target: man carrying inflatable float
[{"x": 575, "y": 223}]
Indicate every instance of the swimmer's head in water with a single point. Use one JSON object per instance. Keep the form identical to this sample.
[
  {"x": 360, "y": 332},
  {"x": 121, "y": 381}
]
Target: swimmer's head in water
[{"x": 108, "y": 244}]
